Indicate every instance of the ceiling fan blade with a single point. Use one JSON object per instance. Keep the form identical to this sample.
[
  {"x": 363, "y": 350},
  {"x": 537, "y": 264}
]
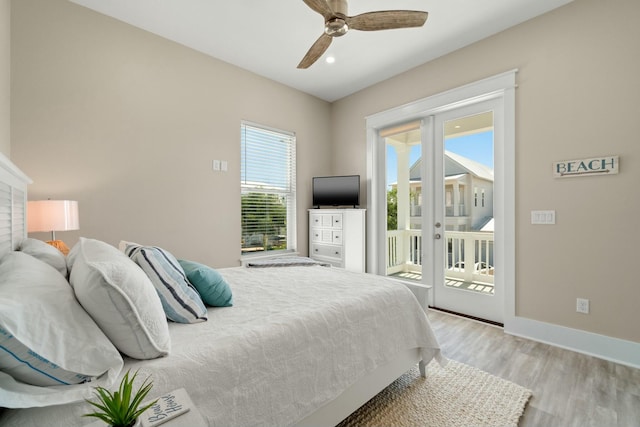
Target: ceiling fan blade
[
  {"x": 321, "y": 7},
  {"x": 387, "y": 20},
  {"x": 316, "y": 51}
]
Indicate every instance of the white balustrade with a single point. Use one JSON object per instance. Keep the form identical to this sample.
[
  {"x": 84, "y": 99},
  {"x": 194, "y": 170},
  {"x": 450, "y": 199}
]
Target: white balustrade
[{"x": 469, "y": 255}]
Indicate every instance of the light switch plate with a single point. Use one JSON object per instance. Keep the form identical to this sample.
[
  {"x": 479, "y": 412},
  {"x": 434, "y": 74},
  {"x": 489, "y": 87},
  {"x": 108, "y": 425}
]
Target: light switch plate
[{"x": 543, "y": 217}]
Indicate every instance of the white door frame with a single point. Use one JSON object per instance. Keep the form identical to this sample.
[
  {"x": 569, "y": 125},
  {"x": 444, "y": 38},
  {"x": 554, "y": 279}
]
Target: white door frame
[{"x": 499, "y": 86}]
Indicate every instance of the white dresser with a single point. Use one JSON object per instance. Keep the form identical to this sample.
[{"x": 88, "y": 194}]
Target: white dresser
[{"x": 337, "y": 236}]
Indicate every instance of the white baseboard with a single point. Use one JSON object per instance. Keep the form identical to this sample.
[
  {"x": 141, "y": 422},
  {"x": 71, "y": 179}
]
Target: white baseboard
[{"x": 601, "y": 346}]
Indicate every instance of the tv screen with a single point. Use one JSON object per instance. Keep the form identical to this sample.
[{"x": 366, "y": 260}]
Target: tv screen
[{"x": 336, "y": 190}]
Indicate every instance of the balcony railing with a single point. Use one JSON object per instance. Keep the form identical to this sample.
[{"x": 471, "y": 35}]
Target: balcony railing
[
  {"x": 450, "y": 211},
  {"x": 416, "y": 210},
  {"x": 469, "y": 255}
]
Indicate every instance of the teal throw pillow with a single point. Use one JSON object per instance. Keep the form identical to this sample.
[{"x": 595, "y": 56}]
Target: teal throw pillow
[{"x": 211, "y": 286}]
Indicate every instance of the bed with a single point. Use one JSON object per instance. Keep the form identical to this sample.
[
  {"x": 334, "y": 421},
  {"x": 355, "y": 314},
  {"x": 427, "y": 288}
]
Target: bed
[{"x": 301, "y": 345}]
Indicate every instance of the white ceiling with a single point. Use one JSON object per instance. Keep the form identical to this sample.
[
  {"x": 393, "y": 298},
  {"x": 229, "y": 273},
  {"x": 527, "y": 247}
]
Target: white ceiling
[{"x": 270, "y": 37}]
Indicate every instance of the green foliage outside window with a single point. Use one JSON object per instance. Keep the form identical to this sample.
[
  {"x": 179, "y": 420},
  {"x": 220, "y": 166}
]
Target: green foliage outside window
[
  {"x": 392, "y": 209},
  {"x": 264, "y": 222}
]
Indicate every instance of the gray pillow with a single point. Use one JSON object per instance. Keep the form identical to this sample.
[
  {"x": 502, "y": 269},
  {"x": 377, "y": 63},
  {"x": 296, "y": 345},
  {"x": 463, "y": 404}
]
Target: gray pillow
[
  {"x": 120, "y": 298},
  {"x": 45, "y": 252},
  {"x": 47, "y": 338}
]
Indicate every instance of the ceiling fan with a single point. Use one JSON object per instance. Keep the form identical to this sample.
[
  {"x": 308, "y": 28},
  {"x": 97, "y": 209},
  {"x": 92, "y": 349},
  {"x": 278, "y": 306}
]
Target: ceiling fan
[{"x": 337, "y": 23}]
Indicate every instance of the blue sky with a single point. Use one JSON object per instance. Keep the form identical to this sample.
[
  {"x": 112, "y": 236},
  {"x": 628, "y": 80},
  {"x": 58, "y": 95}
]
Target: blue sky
[{"x": 478, "y": 147}]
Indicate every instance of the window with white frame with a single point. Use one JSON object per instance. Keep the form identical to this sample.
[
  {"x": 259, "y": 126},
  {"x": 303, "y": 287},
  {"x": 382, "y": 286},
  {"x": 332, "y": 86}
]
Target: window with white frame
[{"x": 268, "y": 189}]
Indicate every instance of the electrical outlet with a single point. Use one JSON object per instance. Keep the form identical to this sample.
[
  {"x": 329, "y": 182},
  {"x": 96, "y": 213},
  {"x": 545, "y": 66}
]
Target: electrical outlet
[{"x": 582, "y": 305}]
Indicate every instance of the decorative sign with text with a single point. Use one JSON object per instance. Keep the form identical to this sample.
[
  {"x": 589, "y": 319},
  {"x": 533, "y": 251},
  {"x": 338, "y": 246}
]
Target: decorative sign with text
[
  {"x": 607, "y": 165},
  {"x": 166, "y": 408}
]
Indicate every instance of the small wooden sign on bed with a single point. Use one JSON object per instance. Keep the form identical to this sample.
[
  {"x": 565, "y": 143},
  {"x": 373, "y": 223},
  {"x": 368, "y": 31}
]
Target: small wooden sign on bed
[
  {"x": 176, "y": 407},
  {"x": 167, "y": 408}
]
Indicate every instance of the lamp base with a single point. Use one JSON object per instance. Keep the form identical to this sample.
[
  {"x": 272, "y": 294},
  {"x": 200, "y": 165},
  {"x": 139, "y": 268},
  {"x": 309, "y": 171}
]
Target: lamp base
[{"x": 60, "y": 245}]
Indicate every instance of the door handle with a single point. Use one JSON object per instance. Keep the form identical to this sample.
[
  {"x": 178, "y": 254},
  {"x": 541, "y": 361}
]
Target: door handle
[{"x": 437, "y": 236}]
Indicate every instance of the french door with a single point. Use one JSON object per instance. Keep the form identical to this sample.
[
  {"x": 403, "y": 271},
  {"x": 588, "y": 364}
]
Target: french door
[
  {"x": 460, "y": 220},
  {"x": 449, "y": 227}
]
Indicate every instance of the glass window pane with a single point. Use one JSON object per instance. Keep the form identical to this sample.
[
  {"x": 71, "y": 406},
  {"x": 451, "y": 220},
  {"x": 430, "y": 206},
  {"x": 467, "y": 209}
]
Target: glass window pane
[{"x": 267, "y": 175}]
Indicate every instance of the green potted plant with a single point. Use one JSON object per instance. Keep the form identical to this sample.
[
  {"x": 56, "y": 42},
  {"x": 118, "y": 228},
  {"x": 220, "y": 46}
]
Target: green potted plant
[{"x": 121, "y": 408}]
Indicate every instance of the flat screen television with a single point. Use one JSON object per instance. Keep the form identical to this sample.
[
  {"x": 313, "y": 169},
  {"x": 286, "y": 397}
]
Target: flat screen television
[{"x": 336, "y": 190}]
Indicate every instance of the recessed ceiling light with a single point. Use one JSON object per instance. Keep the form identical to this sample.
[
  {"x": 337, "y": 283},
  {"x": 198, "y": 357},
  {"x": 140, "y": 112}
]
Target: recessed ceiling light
[{"x": 331, "y": 59}]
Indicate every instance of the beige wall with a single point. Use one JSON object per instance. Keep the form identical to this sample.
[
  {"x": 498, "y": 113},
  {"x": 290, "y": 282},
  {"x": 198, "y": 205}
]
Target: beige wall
[
  {"x": 128, "y": 124},
  {"x": 5, "y": 77},
  {"x": 577, "y": 98}
]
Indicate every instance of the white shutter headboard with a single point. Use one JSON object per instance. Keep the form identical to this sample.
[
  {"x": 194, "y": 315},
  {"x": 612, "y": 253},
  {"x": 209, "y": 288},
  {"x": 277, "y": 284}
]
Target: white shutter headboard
[{"x": 13, "y": 202}]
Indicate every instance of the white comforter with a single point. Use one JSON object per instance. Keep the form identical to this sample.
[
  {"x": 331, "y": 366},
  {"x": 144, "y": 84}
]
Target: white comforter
[{"x": 294, "y": 339}]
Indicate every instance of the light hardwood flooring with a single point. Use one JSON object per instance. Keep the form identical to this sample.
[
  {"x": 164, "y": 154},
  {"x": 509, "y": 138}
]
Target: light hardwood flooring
[{"x": 569, "y": 389}]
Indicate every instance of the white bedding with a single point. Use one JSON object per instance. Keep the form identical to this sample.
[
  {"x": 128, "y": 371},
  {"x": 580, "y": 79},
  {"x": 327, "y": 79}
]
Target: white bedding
[{"x": 293, "y": 340}]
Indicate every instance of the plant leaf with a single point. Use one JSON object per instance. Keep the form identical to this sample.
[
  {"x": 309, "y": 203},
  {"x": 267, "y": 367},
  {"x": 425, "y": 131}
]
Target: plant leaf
[
  {"x": 121, "y": 407},
  {"x": 103, "y": 417}
]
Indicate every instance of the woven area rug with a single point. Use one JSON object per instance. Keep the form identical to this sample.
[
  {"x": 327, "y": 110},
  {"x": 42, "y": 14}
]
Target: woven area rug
[{"x": 457, "y": 395}]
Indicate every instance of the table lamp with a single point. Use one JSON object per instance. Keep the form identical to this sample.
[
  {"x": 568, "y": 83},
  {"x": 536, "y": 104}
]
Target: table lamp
[{"x": 53, "y": 215}]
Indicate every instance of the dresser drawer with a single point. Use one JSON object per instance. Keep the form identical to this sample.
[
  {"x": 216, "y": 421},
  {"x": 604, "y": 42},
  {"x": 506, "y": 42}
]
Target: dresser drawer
[
  {"x": 315, "y": 220},
  {"x": 326, "y": 251},
  {"x": 326, "y": 220},
  {"x": 317, "y": 235},
  {"x": 321, "y": 235}
]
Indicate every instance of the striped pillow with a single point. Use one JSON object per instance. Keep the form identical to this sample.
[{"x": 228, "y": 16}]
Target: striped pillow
[{"x": 180, "y": 301}]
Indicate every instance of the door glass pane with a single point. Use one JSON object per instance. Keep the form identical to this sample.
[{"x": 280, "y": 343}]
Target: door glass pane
[
  {"x": 468, "y": 170},
  {"x": 404, "y": 204}
]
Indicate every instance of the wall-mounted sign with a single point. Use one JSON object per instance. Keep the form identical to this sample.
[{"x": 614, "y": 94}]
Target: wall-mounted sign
[{"x": 607, "y": 165}]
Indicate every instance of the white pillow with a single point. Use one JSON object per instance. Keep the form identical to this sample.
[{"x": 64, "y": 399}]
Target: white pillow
[
  {"x": 46, "y": 338},
  {"x": 120, "y": 298},
  {"x": 45, "y": 252}
]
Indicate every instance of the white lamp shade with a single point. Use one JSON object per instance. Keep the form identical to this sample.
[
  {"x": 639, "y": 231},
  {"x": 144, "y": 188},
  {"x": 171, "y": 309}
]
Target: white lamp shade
[{"x": 52, "y": 215}]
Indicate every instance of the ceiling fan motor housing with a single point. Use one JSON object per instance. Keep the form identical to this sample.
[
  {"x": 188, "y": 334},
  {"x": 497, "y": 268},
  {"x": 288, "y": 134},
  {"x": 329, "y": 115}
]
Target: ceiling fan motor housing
[{"x": 336, "y": 27}]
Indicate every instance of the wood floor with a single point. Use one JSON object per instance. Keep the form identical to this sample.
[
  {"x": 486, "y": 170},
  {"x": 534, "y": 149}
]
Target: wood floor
[{"x": 569, "y": 389}]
